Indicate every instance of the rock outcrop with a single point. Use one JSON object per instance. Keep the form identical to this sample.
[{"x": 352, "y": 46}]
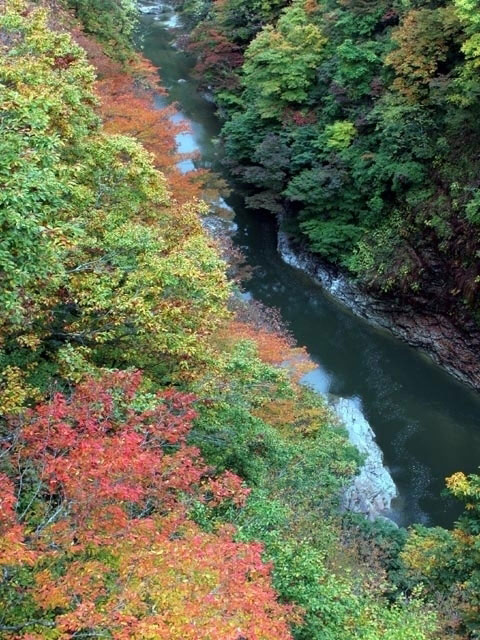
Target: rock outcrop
[{"x": 372, "y": 490}]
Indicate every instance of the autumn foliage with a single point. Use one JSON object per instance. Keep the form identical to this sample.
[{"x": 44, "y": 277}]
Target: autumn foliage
[
  {"x": 124, "y": 507},
  {"x": 217, "y": 58},
  {"x": 128, "y": 109},
  {"x": 106, "y": 532},
  {"x": 127, "y": 106},
  {"x": 97, "y": 484},
  {"x": 100, "y": 247}
]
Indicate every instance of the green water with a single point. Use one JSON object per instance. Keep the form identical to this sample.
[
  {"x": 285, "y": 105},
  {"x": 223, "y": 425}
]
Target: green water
[{"x": 426, "y": 423}]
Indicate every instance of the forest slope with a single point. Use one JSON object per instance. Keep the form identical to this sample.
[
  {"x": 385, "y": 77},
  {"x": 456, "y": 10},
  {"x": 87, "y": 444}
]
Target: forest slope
[
  {"x": 357, "y": 123},
  {"x": 161, "y": 474}
]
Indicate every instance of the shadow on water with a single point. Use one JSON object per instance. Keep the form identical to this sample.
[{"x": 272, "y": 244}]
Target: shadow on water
[{"x": 426, "y": 423}]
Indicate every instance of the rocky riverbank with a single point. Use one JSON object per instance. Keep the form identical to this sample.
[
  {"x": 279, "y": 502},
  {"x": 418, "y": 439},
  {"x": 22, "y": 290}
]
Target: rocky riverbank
[
  {"x": 455, "y": 351},
  {"x": 372, "y": 490}
]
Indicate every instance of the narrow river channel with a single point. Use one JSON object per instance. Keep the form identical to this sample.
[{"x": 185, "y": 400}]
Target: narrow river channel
[{"x": 426, "y": 423}]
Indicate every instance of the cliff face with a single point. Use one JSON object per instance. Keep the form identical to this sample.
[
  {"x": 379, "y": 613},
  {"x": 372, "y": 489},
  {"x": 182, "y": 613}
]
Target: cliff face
[{"x": 453, "y": 348}]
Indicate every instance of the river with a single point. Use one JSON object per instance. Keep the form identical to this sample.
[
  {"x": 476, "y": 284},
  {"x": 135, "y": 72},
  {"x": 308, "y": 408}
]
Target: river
[{"x": 426, "y": 423}]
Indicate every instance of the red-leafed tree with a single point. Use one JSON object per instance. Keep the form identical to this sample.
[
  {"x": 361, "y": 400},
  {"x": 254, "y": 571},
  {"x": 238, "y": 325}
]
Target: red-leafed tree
[
  {"x": 103, "y": 523},
  {"x": 217, "y": 58}
]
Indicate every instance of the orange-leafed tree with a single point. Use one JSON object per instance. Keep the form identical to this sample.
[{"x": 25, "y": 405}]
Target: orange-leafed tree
[
  {"x": 422, "y": 51},
  {"x": 94, "y": 530},
  {"x": 128, "y": 108}
]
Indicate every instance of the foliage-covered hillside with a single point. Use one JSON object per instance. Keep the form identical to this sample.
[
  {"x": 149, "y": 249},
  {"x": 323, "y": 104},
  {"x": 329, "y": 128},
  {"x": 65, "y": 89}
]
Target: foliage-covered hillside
[
  {"x": 161, "y": 474},
  {"x": 358, "y": 121}
]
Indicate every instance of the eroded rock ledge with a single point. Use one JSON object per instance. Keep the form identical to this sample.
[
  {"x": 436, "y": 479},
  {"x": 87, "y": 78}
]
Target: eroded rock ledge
[{"x": 455, "y": 351}]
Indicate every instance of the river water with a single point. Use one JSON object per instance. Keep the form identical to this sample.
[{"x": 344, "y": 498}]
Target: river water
[{"x": 426, "y": 423}]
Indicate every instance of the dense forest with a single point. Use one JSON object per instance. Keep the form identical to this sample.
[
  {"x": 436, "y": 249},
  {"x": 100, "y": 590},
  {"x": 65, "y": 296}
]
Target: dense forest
[
  {"x": 162, "y": 473},
  {"x": 357, "y": 124}
]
